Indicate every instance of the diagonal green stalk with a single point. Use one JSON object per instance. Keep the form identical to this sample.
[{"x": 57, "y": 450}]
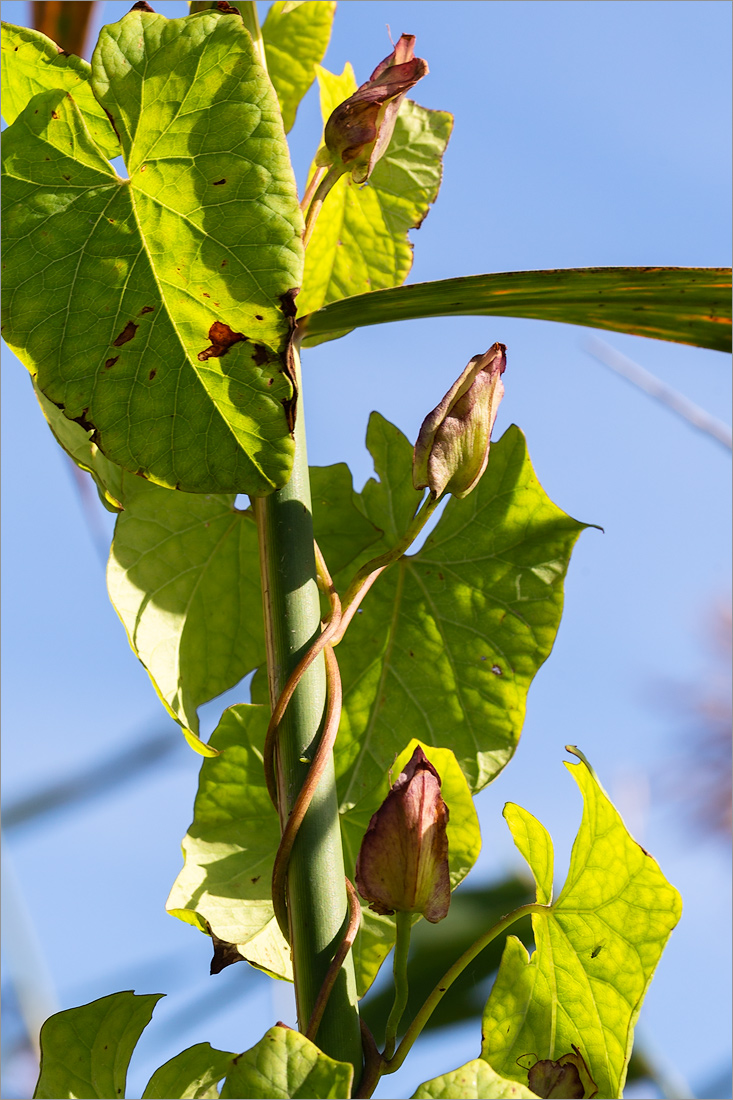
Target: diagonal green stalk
[{"x": 317, "y": 900}]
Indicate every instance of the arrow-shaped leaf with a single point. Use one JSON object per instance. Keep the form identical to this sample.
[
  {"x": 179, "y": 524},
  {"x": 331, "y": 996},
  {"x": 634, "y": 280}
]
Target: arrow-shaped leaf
[
  {"x": 688, "y": 305},
  {"x": 597, "y": 947},
  {"x": 165, "y": 298},
  {"x": 193, "y": 1074}
]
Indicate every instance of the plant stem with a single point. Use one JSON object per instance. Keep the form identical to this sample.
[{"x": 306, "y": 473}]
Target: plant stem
[
  {"x": 450, "y": 976},
  {"x": 334, "y": 173},
  {"x": 317, "y": 901},
  {"x": 401, "y": 988}
]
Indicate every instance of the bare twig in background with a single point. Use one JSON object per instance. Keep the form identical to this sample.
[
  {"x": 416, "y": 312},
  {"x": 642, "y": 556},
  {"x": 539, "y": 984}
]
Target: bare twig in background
[{"x": 657, "y": 389}]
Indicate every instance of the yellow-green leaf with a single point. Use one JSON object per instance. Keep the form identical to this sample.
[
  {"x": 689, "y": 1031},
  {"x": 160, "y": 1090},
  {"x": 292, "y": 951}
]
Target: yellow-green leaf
[{"x": 296, "y": 38}]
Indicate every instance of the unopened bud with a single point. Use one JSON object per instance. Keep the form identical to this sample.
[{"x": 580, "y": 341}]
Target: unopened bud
[
  {"x": 403, "y": 860},
  {"x": 452, "y": 449},
  {"x": 360, "y": 129}
]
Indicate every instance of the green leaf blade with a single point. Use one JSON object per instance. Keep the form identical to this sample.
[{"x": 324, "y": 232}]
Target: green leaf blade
[
  {"x": 296, "y": 39},
  {"x": 685, "y": 305},
  {"x": 284, "y": 1065},
  {"x": 597, "y": 948},
  {"x": 474, "y": 1081},
  {"x": 229, "y": 850},
  {"x": 176, "y": 304},
  {"x": 32, "y": 63},
  {"x": 85, "y": 1051},
  {"x": 193, "y": 1074}
]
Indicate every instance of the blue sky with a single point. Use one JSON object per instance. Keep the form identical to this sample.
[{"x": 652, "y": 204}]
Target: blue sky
[{"x": 586, "y": 134}]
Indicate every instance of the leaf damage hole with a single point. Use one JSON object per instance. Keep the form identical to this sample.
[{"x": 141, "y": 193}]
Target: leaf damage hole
[
  {"x": 496, "y": 670},
  {"x": 222, "y": 338},
  {"x": 146, "y": 309},
  {"x": 126, "y": 335},
  {"x": 218, "y": 183},
  {"x": 152, "y": 374}
]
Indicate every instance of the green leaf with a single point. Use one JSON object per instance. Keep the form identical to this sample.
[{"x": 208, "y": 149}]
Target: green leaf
[
  {"x": 474, "y": 1081},
  {"x": 360, "y": 240},
  {"x": 183, "y": 576},
  {"x": 76, "y": 442},
  {"x": 690, "y": 305},
  {"x": 296, "y": 39},
  {"x": 32, "y": 63},
  {"x": 451, "y": 637},
  {"x": 85, "y": 1051},
  {"x": 597, "y": 948},
  {"x": 230, "y": 847},
  {"x": 123, "y": 295},
  {"x": 284, "y": 1065},
  {"x": 377, "y": 934},
  {"x": 193, "y": 1074}
]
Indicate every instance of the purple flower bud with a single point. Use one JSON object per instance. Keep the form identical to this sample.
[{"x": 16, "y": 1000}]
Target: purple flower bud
[
  {"x": 403, "y": 860},
  {"x": 359, "y": 130},
  {"x": 452, "y": 449}
]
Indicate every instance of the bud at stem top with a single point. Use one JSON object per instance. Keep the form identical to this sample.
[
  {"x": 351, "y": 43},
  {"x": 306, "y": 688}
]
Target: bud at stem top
[{"x": 452, "y": 449}]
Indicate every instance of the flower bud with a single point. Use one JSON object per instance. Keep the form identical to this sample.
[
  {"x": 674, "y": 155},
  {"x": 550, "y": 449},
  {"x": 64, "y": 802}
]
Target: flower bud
[
  {"x": 403, "y": 859},
  {"x": 359, "y": 130},
  {"x": 452, "y": 449}
]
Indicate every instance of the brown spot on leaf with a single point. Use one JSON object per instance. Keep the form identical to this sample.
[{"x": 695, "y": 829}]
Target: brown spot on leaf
[
  {"x": 126, "y": 335},
  {"x": 112, "y": 123},
  {"x": 224, "y": 263},
  {"x": 287, "y": 302},
  {"x": 146, "y": 309},
  {"x": 67, "y": 177},
  {"x": 441, "y": 577},
  {"x": 261, "y": 355},
  {"x": 222, "y": 338},
  {"x": 496, "y": 670},
  {"x": 143, "y": 167},
  {"x": 258, "y": 318},
  {"x": 255, "y": 879},
  {"x": 206, "y": 295},
  {"x": 270, "y": 381},
  {"x": 110, "y": 362},
  {"x": 152, "y": 374},
  {"x": 218, "y": 183},
  {"x": 54, "y": 115}
]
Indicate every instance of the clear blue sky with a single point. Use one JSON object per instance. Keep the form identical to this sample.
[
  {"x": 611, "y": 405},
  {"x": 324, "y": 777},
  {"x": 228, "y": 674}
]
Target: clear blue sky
[{"x": 586, "y": 134}]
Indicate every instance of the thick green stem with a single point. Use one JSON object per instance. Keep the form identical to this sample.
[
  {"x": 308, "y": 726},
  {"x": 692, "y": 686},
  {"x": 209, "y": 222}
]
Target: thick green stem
[
  {"x": 317, "y": 900},
  {"x": 401, "y": 988}
]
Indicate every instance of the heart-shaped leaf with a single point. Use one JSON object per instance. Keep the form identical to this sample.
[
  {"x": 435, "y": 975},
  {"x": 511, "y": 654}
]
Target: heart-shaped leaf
[{"x": 165, "y": 298}]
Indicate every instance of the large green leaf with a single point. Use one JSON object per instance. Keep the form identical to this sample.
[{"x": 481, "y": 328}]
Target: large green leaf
[
  {"x": 474, "y": 1081},
  {"x": 690, "y": 305},
  {"x": 224, "y": 887},
  {"x": 295, "y": 41},
  {"x": 32, "y": 63},
  {"x": 165, "y": 298},
  {"x": 184, "y": 577},
  {"x": 85, "y": 1051},
  {"x": 450, "y": 638},
  {"x": 597, "y": 947},
  {"x": 193, "y": 1074},
  {"x": 284, "y": 1065},
  {"x": 360, "y": 240}
]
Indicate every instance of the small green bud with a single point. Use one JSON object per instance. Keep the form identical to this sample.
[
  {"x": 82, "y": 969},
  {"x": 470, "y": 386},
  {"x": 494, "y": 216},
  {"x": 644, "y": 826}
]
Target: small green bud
[
  {"x": 403, "y": 860},
  {"x": 360, "y": 129},
  {"x": 452, "y": 449}
]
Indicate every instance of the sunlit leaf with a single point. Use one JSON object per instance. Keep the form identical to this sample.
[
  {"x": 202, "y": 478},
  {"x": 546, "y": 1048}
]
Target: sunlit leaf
[
  {"x": 688, "y": 305},
  {"x": 284, "y": 1065},
  {"x": 32, "y": 63},
  {"x": 193, "y": 1074},
  {"x": 474, "y": 1081},
  {"x": 296, "y": 38},
  {"x": 85, "y": 1051},
  {"x": 360, "y": 241},
  {"x": 165, "y": 298},
  {"x": 183, "y": 576},
  {"x": 597, "y": 948},
  {"x": 229, "y": 849}
]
